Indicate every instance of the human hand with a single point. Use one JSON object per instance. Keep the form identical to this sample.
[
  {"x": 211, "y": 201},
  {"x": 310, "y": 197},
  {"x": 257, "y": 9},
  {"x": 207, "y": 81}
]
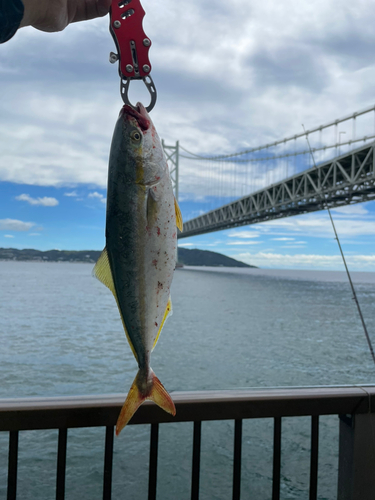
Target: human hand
[{"x": 55, "y": 15}]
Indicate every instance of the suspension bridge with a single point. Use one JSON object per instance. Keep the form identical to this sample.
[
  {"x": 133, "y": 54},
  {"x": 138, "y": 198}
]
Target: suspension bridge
[{"x": 282, "y": 178}]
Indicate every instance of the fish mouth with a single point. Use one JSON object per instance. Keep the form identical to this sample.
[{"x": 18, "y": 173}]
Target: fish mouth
[{"x": 140, "y": 114}]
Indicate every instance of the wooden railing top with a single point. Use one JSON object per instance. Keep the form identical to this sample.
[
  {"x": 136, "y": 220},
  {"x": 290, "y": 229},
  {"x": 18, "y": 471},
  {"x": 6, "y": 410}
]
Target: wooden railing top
[{"x": 94, "y": 411}]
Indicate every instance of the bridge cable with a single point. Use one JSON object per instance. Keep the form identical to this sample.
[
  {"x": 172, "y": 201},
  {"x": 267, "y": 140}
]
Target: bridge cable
[
  {"x": 267, "y": 158},
  {"x": 355, "y": 298},
  {"x": 287, "y": 139}
]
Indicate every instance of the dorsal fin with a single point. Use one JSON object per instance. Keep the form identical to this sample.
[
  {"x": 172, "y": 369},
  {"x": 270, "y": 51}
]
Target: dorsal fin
[{"x": 179, "y": 222}]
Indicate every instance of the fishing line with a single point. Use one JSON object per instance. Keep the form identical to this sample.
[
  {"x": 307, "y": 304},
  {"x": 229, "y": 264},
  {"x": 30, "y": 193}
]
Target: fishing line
[{"x": 343, "y": 258}]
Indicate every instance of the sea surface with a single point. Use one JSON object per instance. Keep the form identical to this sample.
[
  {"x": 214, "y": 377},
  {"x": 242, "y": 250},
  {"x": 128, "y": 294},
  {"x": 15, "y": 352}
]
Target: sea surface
[{"x": 60, "y": 334}]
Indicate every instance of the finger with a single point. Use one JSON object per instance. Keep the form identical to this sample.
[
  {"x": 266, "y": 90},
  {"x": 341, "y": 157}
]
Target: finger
[{"x": 91, "y": 9}]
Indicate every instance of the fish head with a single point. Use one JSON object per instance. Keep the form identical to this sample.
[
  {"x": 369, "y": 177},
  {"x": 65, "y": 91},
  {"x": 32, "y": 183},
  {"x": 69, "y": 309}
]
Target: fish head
[{"x": 143, "y": 145}]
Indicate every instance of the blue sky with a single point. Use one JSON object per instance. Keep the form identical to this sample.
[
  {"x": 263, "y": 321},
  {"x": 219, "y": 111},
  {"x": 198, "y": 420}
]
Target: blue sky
[
  {"x": 228, "y": 77},
  {"x": 49, "y": 217}
]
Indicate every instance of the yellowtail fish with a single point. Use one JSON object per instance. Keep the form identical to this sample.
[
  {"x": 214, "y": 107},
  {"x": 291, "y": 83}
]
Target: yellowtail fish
[{"x": 139, "y": 259}]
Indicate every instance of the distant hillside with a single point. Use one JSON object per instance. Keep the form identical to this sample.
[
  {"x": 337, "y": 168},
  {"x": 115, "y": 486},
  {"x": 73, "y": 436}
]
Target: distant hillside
[
  {"x": 50, "y": 255},
  {"x": 197, "y": 257},
  {"x": 187, "y": 257}
]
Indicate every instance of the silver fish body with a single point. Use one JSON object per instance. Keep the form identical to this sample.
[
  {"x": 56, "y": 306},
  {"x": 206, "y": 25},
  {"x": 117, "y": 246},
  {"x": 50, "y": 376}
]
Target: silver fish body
[{"x": 141, "y": 241}]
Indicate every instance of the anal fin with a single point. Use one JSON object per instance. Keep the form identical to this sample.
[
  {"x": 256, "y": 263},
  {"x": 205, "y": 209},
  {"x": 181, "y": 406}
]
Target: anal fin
[
  {"x": 102, "y": 271},
  {"x": 168, "y": 312}
]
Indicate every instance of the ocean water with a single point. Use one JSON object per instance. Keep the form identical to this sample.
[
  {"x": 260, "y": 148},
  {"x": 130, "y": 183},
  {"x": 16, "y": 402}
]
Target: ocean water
[{"x": 60, "y": 334}]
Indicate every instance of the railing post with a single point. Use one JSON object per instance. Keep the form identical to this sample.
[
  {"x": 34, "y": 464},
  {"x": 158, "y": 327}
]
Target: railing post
[
  {"x": 237, "y": 459},
  {"x": 61, "y": 464},
  {"x": 356, "y": 479},
  {"x": 108, "y": 463},
  {"x": 153, "y": 467},
  {"x": 276, "y": 459},
  {"x": 196, "y": 460},
  {"x": 314, "y": 457},
  {"x": 12, "y": 465}
]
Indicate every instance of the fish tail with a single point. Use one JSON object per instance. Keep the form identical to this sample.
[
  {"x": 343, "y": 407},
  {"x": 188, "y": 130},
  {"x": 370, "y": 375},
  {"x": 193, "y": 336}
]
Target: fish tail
[
  {"x": 160, "y": 396},
  {"x": 145, "y": 386}
]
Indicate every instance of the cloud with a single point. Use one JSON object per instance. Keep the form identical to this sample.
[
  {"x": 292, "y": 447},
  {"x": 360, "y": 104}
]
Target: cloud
[
  {"x": 351, "y": 210},
  {"x": 307, "y": 261},
  {"x": 8, "y": 236},
  {"x": 319, "y": 225},
  {"x": 186, "y": 245},
  {"x": 244, "y": 234},
  {"x": 283, "y": 239},
  {"x": 45, "y": 201},
  {"x": 71, "y": 194},
  {"x": 231, "y": 243},
  {"x": 15, "y": 225},
  {"x": 34, "y": 234},
  {"x": 97, "y": 195}
]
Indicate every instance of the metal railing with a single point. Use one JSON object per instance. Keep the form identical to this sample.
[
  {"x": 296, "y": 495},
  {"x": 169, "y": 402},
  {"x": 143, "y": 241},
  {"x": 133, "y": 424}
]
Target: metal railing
[{"x": 92, "y": 411}]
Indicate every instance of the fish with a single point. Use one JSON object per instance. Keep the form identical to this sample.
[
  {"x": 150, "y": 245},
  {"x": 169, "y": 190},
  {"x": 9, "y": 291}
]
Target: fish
[{"x": 139, "y": 259}]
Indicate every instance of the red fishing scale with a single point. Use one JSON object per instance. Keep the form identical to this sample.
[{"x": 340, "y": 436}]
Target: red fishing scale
[{"x": 126, "y": 18}]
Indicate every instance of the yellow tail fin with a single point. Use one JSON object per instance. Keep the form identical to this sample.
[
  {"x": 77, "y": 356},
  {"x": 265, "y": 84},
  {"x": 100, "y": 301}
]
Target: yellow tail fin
[{"x": 144, "y": 387}]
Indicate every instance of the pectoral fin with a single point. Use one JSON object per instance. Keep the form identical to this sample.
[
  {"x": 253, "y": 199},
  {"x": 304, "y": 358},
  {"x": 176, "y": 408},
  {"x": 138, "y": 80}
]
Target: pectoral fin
[
  {"x": 152, "y": 207},
  {"x": 168, "y": 311},
  {"x": 102, "y": 271},
  {"x": 179, "y": 222}
]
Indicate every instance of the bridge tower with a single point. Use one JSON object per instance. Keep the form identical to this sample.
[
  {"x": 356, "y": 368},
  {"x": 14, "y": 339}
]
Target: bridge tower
[{"x": 172, "y": 153}]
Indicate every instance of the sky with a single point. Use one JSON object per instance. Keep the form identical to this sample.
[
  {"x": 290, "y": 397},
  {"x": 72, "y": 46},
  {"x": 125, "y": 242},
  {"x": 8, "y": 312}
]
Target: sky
[{"x": 229, "y": 76}]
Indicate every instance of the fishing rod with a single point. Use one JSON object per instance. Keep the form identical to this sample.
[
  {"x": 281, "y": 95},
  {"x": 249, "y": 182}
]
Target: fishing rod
[{"x": 355, "y": 298}]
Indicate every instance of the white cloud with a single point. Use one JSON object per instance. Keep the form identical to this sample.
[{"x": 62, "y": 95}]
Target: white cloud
[
  {"x": 351, "y": 210},
  {"x": 231, "y": 243},
  {"x": 319, "y": 225},
  {"x": 97, "y": 195},
  {"x": 34, "y": 234},
  {"x": 307, "y": 261},
  {"x": 244, "y": 234},
  {"x": 71, "y": 194},
  {"x": 283, "y": 239},
  {"x": 8, "y": 236},
  {"x": 15, "y": 225},
  {"x": 186, "y": 245},
  {"x": 45, "y": 201}
]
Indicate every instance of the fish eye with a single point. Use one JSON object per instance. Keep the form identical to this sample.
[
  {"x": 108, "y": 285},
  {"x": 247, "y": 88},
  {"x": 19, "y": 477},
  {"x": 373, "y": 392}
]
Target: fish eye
[{"x": 136, "y": 136}]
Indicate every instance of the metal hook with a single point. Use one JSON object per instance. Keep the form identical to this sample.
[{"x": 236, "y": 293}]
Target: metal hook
[{"x": 124, "y": 91}]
